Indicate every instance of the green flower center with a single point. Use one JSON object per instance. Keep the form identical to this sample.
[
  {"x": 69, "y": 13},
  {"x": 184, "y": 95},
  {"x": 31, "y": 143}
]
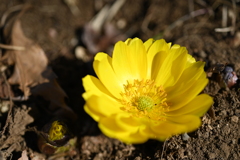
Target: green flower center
[
  {"x": 144, "y": 103},
  {"x": 145, "y": 99}
]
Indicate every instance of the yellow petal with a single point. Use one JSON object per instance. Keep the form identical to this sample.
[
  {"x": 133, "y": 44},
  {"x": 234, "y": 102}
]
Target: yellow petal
[
  {"x": 119, "y": 126},
  {"x": 92, "y": 85},
  {"x": 198, "y": 106},
  {"x": 95, "y": 115},
  {"x": 176, "y": 46},
  {"x": 148, "y": 132},
  {"x": 176, "y": 125},
  {"x": 172, "y": 67},
  {"x": 156, "y": 47},
  {"x": 130, "y": 61},
  {"x": 128, "y": 41},
  {"x": 135, "y": 138},
  {"x": 148, "y": 43},
  {"x": 177, "y": 68},
  {"x": 102, "y": 106},
  {"x": 157, "y": 65},
  {"x": 167, "y": 129},
  {"x": 102, "y": 67},
  {"x": 190, "y": 60},
  {"x": 179, "y": 99},
  {"x": 109, "y": 127},
  {"x": 188, "y": 77},
  {"x": 191, "y": 122}
]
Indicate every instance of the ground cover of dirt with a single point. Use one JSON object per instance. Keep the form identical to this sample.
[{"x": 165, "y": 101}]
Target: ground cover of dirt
[{"x": 62, "y": 31}]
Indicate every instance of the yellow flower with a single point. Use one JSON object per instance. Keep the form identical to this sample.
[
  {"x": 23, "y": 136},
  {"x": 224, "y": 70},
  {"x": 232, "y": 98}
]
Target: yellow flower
[
  {"x": 146, "y": 91},
  {"x": 57, "y": 131}
]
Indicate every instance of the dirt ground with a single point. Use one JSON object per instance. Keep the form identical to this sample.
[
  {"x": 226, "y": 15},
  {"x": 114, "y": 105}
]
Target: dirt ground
[{"x": 67, "y": 33}]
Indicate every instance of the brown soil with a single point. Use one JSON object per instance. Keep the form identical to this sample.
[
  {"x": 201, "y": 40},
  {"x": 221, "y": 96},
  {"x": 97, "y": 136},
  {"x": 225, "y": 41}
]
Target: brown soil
[{"x": 58, "y": 29}]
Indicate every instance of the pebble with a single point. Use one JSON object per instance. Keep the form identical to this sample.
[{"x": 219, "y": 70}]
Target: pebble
[
  {"x": 212, "y": 155},
  {"x": 234, "y": 119},
  {"x": 224, "y": 113},
  {"x": 185, "y": 136},
  {"x": 137, "y": 158}
]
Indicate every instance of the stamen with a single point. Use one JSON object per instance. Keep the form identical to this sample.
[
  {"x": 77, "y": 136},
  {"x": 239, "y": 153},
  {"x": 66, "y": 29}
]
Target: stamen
[{"x": 145, "y": 99}]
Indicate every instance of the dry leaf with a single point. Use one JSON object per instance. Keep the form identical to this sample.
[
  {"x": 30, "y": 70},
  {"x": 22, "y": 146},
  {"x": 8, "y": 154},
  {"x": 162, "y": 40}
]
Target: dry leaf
[
  {"x": 32, "y": 73},
  {"x": 30, "y": 63},
  {"x": 16, "y": 129},
  {"x": 5, "y": 92},
  {"x": 24, "y": 156}
]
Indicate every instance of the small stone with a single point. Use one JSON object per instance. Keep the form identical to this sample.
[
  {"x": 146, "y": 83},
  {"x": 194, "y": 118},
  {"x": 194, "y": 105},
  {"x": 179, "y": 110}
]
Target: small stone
[
  {"x": 212, "y": 155},
  {"x": 224, "y": 113},
  {"x": 234, "y": 141},
  {"x": 185, "y": 136},
  {"x": 203, "y": 54},
  {"x": 237, "y": 112},
  {"x": 137, "y": 158},
  {"x": 4, "y": 108},
  {"x": 121, "y": 23},
  {"x": 234, "y": 119}
]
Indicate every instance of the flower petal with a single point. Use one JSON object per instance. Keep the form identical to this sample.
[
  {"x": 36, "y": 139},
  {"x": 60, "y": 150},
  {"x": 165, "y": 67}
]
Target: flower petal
[
  {"x": 172, "y": 67},
  {"x": 190, "y": 60},
  {"x": 92, "y": 85},
  {"x": 176, "y": 125},
  {"x": 156, "y": 47},
  {"x": 95, "y": 115},
  {"x": 148, "y": 43},
  {"x": 102, "y": 67},
  {"x": 135, "y": 138},
  {"x": 198, "y": 106},
  {"x": 128, "y": 41},
  {"x": 189, "y": 75},
  {"x": 120, "y": 126},
  {"x": 191, "y": 122},
  {"x": 130, "y": 61},
  {"x": 180, "y": 99},
  {"x": 102, "y": 106},
  {"x": 190, "y": 84}
]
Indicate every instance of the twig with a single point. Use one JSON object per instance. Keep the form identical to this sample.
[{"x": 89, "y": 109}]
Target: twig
[
  {"x": 11, "y": 104},
  {"x": 187, "y": 17},
  {"x": 224, "y": 16},
  {"x": 105, "y": 15},
  {"x": 226, "y": 29},
  {"x": 114, "y": 9},
  {"x": 99, "y": 19},
  {"x": 9, "y": 11},
  {"x": 10, "y": 47},
  {"x": 21, "y": 8},
  {"x": 191, "y": 7},
  {"x": 145, "y": 23},
  {"x": 73, "y": 7},
  {"x": 164, "y": 144},
  {"x": 234, "y": 16}
]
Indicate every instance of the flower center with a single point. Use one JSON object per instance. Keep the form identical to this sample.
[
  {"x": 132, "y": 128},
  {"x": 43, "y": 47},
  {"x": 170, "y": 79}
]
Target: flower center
[
  {"x": 145, "y": 99},
  {"x": 144, "y": 103}
]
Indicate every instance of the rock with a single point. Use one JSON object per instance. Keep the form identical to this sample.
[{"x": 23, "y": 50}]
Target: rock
[{"x": 234, "y": 119}]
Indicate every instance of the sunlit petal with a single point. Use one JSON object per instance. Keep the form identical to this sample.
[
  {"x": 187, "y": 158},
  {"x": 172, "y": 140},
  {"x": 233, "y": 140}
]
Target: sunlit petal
[{"x": 102, "y": 67}]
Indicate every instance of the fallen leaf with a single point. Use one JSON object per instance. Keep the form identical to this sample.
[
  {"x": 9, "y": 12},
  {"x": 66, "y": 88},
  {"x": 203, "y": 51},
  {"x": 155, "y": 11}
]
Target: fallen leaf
[
  {"x": 30, "y": 63},
  {"x": 14, "y": 140},
  {"x": 32, "y": 73},
  {"x": 24, "y": 156},
  {"x": 5, "y": 92}
]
